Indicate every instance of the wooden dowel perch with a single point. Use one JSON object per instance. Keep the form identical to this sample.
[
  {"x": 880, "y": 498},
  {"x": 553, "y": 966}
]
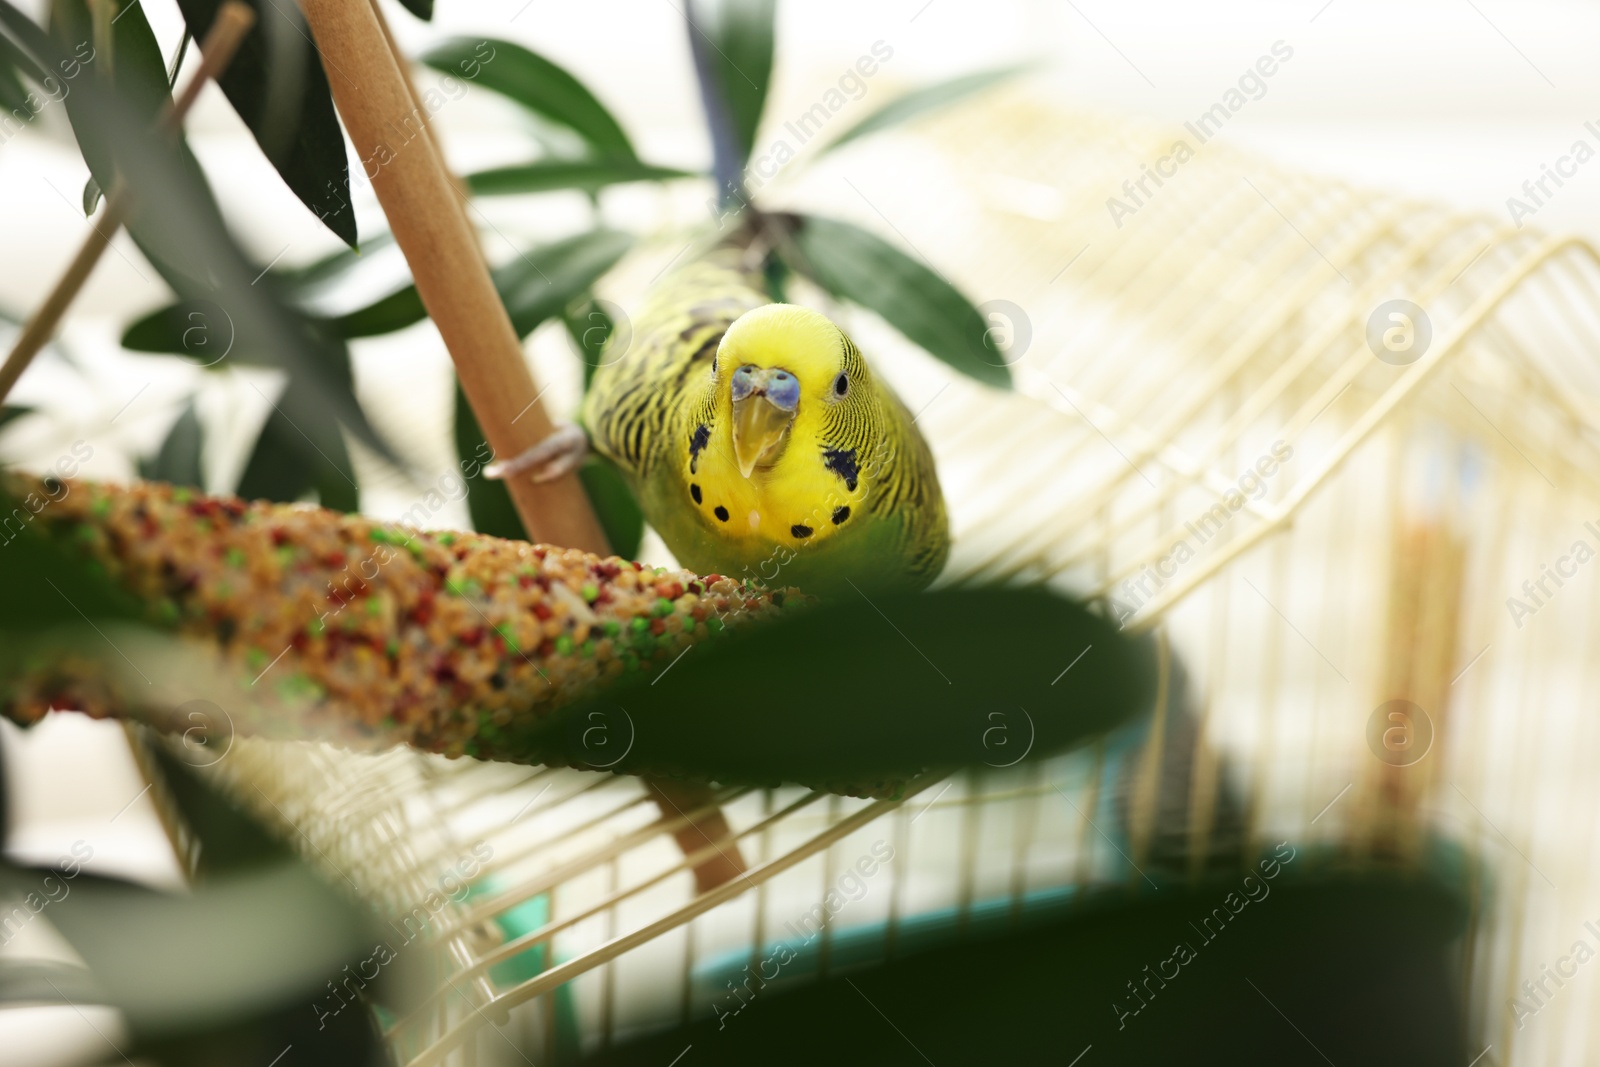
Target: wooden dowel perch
[
  {"x": 419, "y": 199},
  {"x": 426, "y": 212}
]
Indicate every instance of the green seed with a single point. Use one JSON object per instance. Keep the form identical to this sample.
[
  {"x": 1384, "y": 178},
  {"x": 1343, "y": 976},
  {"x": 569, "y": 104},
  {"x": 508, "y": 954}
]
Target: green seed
[
  {"x": 591, "y": 592},
  {"x": 508, "y": 635}
]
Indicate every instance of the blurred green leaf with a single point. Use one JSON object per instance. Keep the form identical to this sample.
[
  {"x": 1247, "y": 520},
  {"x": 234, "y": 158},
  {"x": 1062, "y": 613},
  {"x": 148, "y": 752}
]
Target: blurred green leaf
[
  {"x": 223, "y": 837},
  {"x": 588, "y": 328},
  {"x": 735, "y": 40},
  {"x": 178, "y": 461},
  {"x": 921, "y": 101},
  {"x": 277, "y": 85},
  {"x": 91, "y": 196},
  {"x": 614, "y": 505},
  {"x": 534, "y": 286},
  {"x": 537, "y": 84},
  {"x": 25, "y": 981},
  {"x": 278, "y": 469},
  {"x": 46, "y": 586},
  {"x": 488, "y": 500},
  {"x": 538, "y": 285},
  {"x": 314, "y": 280},
  {"x": 856, "y": 265},
  {"x": 233, "y": 947},
  {"x": 20, "y": 64},
  {"x": 544, "y": 175},
  {"x": 180, "y": 228},
  {"x": 14, "y": 106},
  {"x": 981, "y": 667},
  {"x": 423, "y": 9},
  {"x": 137, "y": 73},
  {"x": 11, "y": 411},
  {"x": 394, "y": 312}
]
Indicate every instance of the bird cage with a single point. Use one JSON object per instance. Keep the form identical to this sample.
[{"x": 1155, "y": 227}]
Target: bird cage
[{"x": 1334, "y": 449}]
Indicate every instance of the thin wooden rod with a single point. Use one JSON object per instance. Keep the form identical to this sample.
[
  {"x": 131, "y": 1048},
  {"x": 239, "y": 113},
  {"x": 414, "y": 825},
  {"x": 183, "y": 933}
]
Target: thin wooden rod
[{"x": 420, "y": 200}]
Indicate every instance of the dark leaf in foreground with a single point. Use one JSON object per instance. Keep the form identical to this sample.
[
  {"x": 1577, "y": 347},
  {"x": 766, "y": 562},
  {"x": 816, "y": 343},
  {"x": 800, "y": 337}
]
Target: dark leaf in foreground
[{"x": 864, "y": 693}]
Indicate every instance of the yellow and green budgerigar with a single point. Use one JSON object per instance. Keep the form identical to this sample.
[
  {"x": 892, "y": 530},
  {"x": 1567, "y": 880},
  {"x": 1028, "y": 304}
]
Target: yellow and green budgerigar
[{"x": 758, "y": 441}]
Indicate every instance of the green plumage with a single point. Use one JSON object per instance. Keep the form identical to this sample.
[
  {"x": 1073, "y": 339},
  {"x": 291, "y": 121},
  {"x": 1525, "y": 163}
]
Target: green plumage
[{"x": 852, "y": 498}]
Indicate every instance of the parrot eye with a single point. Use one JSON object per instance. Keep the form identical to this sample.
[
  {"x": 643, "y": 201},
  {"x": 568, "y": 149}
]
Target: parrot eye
[{"x": 841, "y": 385}]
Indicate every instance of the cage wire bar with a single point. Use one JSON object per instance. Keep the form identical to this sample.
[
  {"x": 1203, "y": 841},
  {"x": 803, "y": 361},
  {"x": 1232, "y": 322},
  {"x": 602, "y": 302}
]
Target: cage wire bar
[{"x": 1158, "y": 364}]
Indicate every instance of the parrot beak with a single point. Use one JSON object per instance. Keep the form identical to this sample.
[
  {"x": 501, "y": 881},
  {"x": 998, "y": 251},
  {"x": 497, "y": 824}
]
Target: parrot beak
[
  {"x": 759, "y": 426},
  {"x": 764, "y": 403}
]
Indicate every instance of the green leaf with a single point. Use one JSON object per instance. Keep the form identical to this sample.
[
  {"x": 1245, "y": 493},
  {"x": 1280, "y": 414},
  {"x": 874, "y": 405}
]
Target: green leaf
[
  {"x": 180, "y": 229},
  {"x": 735, "y": 39},
  {"x": 46, "y": 586},
  {"x": 317, "y": 280},
  {"x": 25, "y": 981},
  {"x": 981, "y": 667},
  {"x": 544, "y": 175},
  {"x": 14, "y": 65},
  {"x": 858, "y": 266},
  {"x": 278, "y": 468},
  {"x": 11, "y": 411},
  {"x": 614, "y": 505},
  {"x": 488, "y": 500},
  {"x": 137, "y": 73},
  {"x": 921, "y": 101},
  {"x": 178, "y": 461},
  {"x": 91, "y": 196},
  {"x": 534, "y": 286},
  {"x": 20, "y": 64},
  {"x": 589, "y": 327},
  {"x": 423, "y": 9},
  {"x": 537, "y": 84},
  {"x": 394, "y": 312},
  {"x": 537, "y": 286},
  {"x": 277, "y": 85},
  {"x": 225, "y": 950}
]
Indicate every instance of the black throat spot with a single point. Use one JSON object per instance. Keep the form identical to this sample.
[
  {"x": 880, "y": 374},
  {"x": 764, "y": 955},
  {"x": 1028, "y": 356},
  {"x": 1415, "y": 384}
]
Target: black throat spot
[
  {"x": 842, "y": 461},
  {"x": 697, "y": 443}
]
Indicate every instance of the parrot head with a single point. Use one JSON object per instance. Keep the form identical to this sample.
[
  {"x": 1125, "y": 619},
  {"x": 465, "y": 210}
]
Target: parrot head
[{"x": 783, "y": 371}]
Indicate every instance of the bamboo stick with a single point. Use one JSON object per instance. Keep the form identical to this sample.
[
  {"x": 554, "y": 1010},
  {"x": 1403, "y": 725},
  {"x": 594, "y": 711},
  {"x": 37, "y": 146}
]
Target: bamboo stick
[
  {"x": 418, "y": 197},
  {"x": 480, "y": 364}
]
